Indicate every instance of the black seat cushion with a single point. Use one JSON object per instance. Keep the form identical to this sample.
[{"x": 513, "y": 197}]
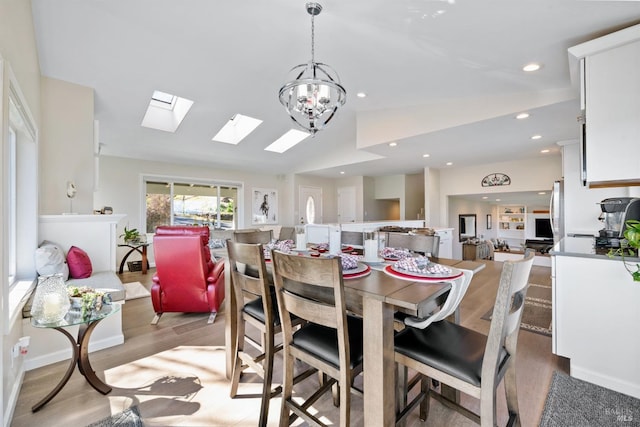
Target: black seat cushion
[
  {"x": 448, "y": 347},
  {"x": 255, "y": 309},
  {"x": 323, "y": 342}
]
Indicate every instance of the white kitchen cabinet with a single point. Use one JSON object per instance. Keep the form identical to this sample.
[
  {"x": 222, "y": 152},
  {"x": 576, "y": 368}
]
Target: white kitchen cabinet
[
  {"x": 446, "y": 242},
  {"x": 610, "y": 83},
  {"x": 612, "y": 114}
]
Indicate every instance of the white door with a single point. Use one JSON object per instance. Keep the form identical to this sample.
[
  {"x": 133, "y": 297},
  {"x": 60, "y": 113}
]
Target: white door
[
  {"x": 310, "y": 205},
  {"x": 346, "y": 204}
]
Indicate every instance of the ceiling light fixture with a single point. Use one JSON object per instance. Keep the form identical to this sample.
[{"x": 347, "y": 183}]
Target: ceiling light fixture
[
  {"x": 534, "y": 137},
  {"x": 531, "y": 67},
  {"x": 393, "y": 144},
  {"x": 425, "y": 155},
  {"x": 522, "y": 116},
  {"x": 361, "y": 95},
  {"x": 315, "y": 94}
]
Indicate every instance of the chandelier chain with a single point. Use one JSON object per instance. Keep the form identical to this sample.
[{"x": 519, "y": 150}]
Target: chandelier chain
[{"x": 313, "y": 31}]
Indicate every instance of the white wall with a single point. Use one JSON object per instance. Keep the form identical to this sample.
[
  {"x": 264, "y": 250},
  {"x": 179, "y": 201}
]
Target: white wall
[
  {"x": 121, "y": 187},
  {"x": 526, "y": 175},
  {"x": 413, "y": 195},
  {"x": 66, "y": 151},
  {"x": 18, "y": 48}
]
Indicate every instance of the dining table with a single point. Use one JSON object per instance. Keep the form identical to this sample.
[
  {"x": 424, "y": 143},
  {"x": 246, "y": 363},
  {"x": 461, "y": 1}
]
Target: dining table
[{"x": 376, "y": 296}]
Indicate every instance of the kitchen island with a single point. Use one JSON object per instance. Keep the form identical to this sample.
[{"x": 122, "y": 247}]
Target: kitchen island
[{"x": 596, "y": 315}]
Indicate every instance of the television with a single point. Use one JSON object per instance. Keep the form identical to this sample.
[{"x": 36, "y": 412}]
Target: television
[{"x": 543, "y": 228}]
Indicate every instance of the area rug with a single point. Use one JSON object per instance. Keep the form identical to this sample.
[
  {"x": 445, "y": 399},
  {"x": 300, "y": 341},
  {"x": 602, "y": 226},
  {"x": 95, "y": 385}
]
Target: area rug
[
  {"x": 573, "y": 402},
  {"x": 135, "y": 290},
  {"x": 128, "y": 418},
  {"x": 536, "y": 316}
]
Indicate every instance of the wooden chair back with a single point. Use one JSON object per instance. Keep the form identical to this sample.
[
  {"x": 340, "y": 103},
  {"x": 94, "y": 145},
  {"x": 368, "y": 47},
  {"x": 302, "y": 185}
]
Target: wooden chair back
[
  {"x": 249, "y": 286},
  {"x": 351, "y": 238},
  {"x": 294, "y": 279},
  {"x": 415, "y": 242},
  {"x": 507, "y": 313},
  {"x": 257, "y": 236}
]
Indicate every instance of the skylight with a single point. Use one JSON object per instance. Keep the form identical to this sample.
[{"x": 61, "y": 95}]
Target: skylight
[
  {"x": 165, "y": 111},
  {"x": 287, "y": 141},
  {"x": 236, "y": 129}
]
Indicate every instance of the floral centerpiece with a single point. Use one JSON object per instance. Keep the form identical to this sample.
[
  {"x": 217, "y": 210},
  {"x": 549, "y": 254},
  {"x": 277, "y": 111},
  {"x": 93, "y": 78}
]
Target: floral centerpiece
[{"x": 87, "y": 299}]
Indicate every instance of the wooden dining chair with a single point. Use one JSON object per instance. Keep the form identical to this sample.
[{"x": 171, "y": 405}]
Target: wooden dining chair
[
  {"x": 331, "y": 341},
  {"x": 351, "y": 238},
  {"x": 428, "y": 245},
  {"x": 256, "y": 306},
  {"x": 466, "y": 360},
  {"x": 253, "y": 236}
]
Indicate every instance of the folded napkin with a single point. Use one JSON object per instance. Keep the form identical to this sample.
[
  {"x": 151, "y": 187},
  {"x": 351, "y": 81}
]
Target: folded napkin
[
  {"x": 349, "y": 262},
  {"x": 280, "y": 245},
  {"x": 322, "y": 246},
  {"x": 411, "y": 264},
  {"x": 399, "y": 253}
]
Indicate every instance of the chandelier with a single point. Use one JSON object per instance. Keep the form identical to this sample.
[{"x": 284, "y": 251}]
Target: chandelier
[{"x": 315, "y": 93}]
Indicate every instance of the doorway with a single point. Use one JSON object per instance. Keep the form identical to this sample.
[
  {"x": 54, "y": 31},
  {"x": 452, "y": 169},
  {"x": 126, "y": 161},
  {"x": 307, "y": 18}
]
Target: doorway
[
  {"x": 310, "y": 205},
  {"x": 346, "y": 204}
]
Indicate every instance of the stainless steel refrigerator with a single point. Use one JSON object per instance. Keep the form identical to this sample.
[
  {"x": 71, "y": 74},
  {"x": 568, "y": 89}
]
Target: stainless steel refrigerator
[{"x": 556, "y": 211}]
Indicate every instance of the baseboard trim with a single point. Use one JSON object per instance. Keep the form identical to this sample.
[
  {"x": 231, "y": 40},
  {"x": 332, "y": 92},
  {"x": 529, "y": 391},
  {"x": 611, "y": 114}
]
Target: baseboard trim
[
  {"x": 13, "y": 398},
  {"x": 606, "y": 381},
  {"x": 57, "y": 356}
]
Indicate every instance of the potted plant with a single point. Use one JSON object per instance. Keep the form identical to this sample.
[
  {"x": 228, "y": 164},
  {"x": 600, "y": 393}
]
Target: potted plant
[
  {"x": 630, "y": 246},
  {"x": 131, "y": 235}
]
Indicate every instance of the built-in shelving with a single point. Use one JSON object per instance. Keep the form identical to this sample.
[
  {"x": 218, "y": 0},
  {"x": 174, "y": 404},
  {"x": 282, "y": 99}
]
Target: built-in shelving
[{"x": 512, "y": 223}]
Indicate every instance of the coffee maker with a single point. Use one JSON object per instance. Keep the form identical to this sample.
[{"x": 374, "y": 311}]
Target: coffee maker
[{"x": 615, "y": 213}]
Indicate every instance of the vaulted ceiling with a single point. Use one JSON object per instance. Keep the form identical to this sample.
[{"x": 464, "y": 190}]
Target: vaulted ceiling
[{"x": 442, "y": 77}]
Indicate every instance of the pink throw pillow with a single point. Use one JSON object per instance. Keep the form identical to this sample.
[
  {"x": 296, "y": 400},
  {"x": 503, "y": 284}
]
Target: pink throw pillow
[{"x": 79, "y": 263}]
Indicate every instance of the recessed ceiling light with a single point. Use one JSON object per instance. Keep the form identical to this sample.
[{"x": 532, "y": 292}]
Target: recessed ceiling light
[
  {"x": 545, "y": 151},
  {"x": 393, "y": 144},
  {"x": 531, "y": 67},
  {"x": 522, "y": 116},
  {"x": 426, "y": 155},
  {"x": 287, "y": 141},
  {"x": 361, "y": 95},
  {"x": 536, "y": 137},
  {"x": 542, "y": 193},
  {"x": 341, "y": 172},
  {"x": 485, "y": 197},
  {"x": 497, "y": 200},
  {"x": 449, "y": 163}
]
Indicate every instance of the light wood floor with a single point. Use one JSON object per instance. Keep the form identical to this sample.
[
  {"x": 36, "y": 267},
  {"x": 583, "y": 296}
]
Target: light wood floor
[{"x": 174, "y": 372}]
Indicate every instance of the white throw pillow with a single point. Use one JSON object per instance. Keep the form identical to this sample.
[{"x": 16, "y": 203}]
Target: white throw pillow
[{"x": 50, "y": 259}]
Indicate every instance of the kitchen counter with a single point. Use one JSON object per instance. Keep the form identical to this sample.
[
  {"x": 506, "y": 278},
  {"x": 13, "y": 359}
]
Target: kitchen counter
[{"x": 584, "y": 247}]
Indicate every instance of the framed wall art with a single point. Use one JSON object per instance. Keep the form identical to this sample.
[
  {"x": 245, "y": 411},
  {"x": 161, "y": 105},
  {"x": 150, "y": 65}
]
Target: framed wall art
[
  {"x": 489, "y": 222},
  {"x": 264, "y": 206}
]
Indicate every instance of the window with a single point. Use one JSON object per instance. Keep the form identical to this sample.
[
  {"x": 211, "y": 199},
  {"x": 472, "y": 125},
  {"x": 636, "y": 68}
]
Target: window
[
  {"x": 12, "y": 208},
  {"x": 184, "y": 203}
]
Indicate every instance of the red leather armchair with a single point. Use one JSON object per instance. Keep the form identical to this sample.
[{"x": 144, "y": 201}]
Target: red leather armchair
[{"x": 187, "y": 280}]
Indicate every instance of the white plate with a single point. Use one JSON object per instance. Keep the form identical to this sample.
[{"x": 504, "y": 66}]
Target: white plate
[
  {"x": 376, "y": 261},
  {"x": 454, "y": 273},
  {"x": 359, "y": 269}
]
